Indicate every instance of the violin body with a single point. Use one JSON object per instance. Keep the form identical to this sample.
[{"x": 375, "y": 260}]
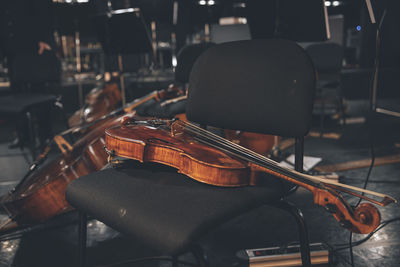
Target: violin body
[
  {"x": 98, "y": 102},
  {"x": 202, "y": 163}
]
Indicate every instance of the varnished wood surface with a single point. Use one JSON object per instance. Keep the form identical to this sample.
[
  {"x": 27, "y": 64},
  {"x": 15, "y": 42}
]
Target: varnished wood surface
[
  {"x": 260, "y": 143},
  {"x": 202, "y": 163},
  {"x": 98, "y": 102},
  {"x": 42, "y": 195}
]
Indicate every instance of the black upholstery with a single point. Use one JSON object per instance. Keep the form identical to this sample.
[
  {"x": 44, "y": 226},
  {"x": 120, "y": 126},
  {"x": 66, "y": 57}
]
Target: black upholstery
[
  {"x": 186, "y": 58},
  {"x": 14, "y": 104},
  {"x": 248, "y": 86},
  {"x": 326, "y": 57},
  {"x": 33, "y": 68},
  {"x": 153, "y": 108},
  {"x": 161, "y": 208},
  {"x": 240, "y": 85},
  {"x": 185, "y": 61}
]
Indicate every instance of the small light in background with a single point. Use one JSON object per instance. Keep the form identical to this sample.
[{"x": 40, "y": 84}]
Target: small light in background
[
  {"x": 335, "y": 3},
  {"x": 202, "y": 2},
  {"x": 358, "y": 28},
  {"x": 211, "y": 2},
  {"x": 328, "y": 3},
  {"x": 174, "y": 61}
]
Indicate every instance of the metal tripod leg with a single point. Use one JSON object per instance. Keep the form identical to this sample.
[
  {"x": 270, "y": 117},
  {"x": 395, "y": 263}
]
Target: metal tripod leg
[{"x": 82, "y": 235}]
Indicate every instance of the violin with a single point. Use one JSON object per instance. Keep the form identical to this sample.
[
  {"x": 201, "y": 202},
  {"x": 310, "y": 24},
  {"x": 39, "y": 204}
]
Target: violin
[
  {"x": 40, "y": 195},
  {"x": 209, "y": 158},
  {"x": 260, "y": 143}
]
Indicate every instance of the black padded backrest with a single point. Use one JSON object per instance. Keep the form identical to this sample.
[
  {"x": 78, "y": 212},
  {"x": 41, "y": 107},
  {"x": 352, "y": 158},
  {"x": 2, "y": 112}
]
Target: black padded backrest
[
  {"x": 326, "y": 57},
  {"x": 186, "y": 58},
  {"x": 264, "y": 86}
]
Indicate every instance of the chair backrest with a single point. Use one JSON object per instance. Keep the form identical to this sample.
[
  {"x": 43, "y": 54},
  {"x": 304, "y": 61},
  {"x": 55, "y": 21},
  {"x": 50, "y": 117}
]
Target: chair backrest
[
  {"x": 326, "y": 57},
  {"x": 264, "y": 86},
  {"x": 185, "y": 59},
  {"x": 31, "y": 68}
]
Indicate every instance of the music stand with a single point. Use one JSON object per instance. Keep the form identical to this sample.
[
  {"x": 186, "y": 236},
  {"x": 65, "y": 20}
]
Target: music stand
[
  {"x": 374, "y": 91},
  {"x": 300, "y": 20},
  {"x": 123, "y": 31},
  {"x": 73, "y": 19}
]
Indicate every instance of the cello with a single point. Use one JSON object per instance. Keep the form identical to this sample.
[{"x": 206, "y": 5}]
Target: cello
[
  {"x": 209, "y": 158},
  {"x": 40, "y": 195},
  {"x": 98, "y": 102}
]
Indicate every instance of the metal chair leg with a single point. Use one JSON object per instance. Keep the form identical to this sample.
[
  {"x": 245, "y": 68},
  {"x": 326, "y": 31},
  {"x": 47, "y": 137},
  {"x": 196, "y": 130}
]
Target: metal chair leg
[
  {"x": 198, "y": 253},
  {"x": 32, "y": 136},
  {"x": 58, "y": 104},
  {"x": 175, "y": 262},
  {"x": 82, "y": 235},
  {"x": 302, "y": 228}
]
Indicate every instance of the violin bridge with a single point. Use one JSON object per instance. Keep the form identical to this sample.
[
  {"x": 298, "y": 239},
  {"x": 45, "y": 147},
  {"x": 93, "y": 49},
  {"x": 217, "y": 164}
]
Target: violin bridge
[{"x": 111, "y": 159}]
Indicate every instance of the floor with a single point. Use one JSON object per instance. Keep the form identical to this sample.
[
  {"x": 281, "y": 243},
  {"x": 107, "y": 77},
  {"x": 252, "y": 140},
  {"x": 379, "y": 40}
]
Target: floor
[{"x": 56, "y": 244}]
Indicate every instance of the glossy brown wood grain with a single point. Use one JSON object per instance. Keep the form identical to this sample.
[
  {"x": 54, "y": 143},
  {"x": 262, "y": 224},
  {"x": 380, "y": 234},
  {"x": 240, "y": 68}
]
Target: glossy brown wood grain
[
  {"x": 98, "y": 102},
  {"x": 202, "y": 163},
  {"x": 260, "y": 143},
  {"x": 42, "y": 195}
]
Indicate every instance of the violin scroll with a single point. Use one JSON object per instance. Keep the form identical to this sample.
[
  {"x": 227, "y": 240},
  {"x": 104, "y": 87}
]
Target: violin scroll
[
  {"x": 368, "y": 214},
  {"x": 362, "y": 220},
  {"x": 171, "y": 92}
]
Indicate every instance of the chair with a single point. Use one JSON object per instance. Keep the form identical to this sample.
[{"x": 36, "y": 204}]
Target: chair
[
  {"x": 31, "y": 76},
  {"x": 185, "y": 59},
  {"x": 328, "y": 60},
  {"x": 265, "y": 86}
]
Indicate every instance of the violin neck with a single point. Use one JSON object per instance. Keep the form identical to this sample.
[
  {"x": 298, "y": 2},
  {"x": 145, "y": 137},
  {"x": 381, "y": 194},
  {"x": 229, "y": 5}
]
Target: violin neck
[{"x": 137, "y": 102}]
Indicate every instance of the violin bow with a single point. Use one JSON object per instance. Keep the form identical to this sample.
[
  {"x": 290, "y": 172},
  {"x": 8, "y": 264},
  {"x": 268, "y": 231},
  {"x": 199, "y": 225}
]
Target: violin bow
[{"x": 362, "y": 219}]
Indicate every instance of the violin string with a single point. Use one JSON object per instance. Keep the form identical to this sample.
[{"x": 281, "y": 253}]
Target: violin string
[
  {"x": 239, "y": 150},
  {"x": 220, "y": 140},
  {"x": 236, "y": 147},
  {"x": 317, "y": 181},
  {"x": 224, "y": 141}
]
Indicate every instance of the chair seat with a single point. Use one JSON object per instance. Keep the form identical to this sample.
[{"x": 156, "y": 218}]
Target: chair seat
[
  {"x": 161, "y": 208},
  {"x": 20, "y": 103}
]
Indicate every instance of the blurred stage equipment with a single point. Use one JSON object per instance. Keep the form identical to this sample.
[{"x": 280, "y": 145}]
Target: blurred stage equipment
[
  {"x": 117, "y": 39},
  {"x": 301, "y": 21},
  {"x": 370, "y": 11},
  {"x": 73, "y": 19},
  {"x": 381, "y": 74}
]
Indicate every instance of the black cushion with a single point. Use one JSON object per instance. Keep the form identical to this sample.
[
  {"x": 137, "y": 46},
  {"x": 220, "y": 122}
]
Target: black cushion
[
  {"x": 154, "y": 108},
  {"x": 264, "y": 86},
  {"x": 186, "y": 58},
  {"x": 34, "y": 68},
  {"x": 18, "y": 103},
  {"x": 161, "y": 208},
  {"x": 326, "y": 57}
]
